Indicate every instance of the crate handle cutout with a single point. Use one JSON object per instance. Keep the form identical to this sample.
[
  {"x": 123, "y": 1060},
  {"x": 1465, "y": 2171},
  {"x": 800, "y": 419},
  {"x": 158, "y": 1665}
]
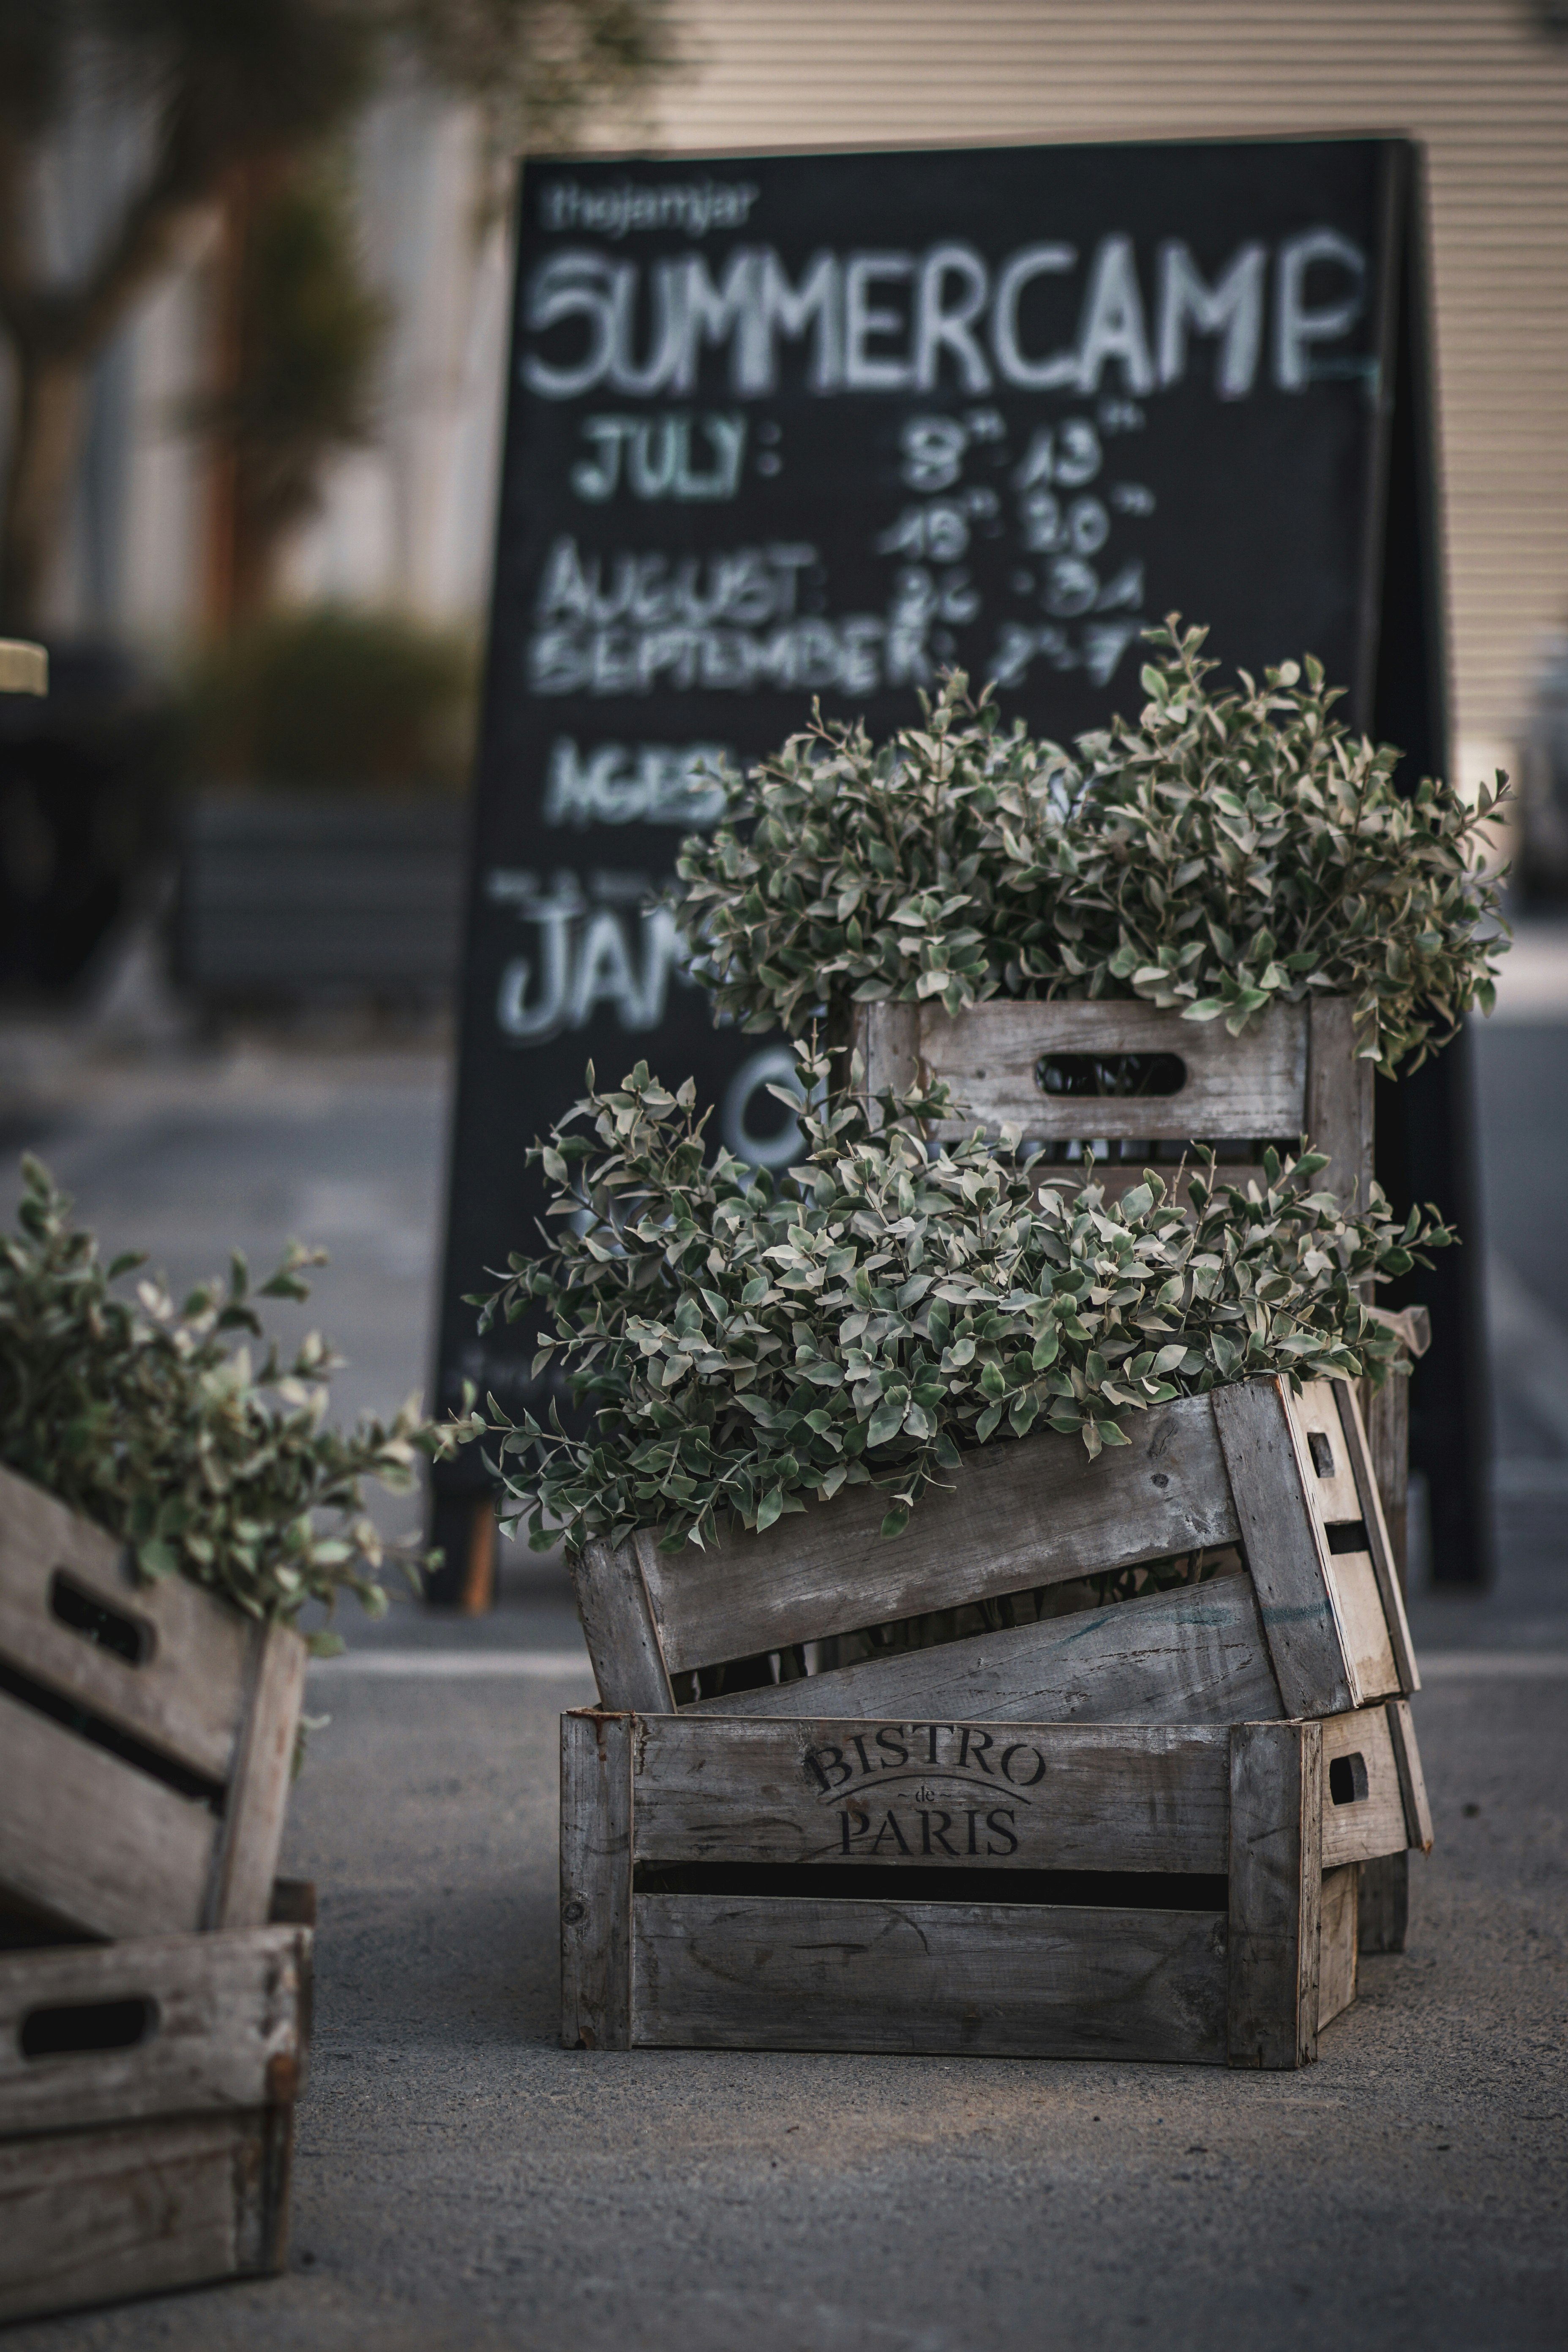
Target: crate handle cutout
[
  {"x": 1347, "y": 1778},
  {"x": 1348, "y": 1535},
  {"x": 125, "y": 1636},
  {"x": 195, "y": 1787},
  {"x": 82, "y": 2029},
  {"x": 1096, "y": 1075},
  {"x": 1322, "y": 1454}
]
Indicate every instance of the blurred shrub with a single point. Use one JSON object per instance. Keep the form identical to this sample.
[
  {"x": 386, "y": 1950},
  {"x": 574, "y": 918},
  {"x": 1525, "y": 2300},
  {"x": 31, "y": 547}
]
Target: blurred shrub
[{"x": 337, "y": 700}]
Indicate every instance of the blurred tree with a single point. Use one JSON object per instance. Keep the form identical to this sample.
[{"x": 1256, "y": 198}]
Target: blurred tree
[
  {"x": 230, "y": 86},
  {"x": 299, "y": 343}
]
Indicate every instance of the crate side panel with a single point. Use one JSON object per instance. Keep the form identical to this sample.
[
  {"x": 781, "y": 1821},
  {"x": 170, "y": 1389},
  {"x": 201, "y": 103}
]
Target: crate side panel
[
  {"x": 1194, "y": 1655},
  {"x": 1000, "y": 1980},
  {"x": 1338, "y": 1942},
  {"x": 1363, "y": 1626},
  {"x": 1042, "y": 1796},
  {"x": 187, "y": 1697},
  {"x": 1371, "y": 1821},
  {"x": 1252, "y": 1085},
  {"x": 1018, "y": 1513},
  {"x": 93, "y": 1840},
  {"x": 1284, "y": 1545},
  {"x": 93, "y": 2217},
  {"x": 228, "y": 2029}
]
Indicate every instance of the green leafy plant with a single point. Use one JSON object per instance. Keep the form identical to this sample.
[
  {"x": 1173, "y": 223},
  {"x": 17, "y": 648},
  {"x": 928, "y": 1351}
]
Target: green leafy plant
[
  {"x": 1226, "y": 852},
  {"x": 745, "y": 1344},
  {"x": 145, "y": 1417}
]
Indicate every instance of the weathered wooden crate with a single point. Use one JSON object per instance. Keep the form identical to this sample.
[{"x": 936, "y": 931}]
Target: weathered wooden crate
[
  {"x": 1293, "y": 1072},
  {"x": 147, "y": 2096},
  {"x": 1313, "y": 1626},
  {"x": 1183, "y": 1893},
  {"x": 146, "y": 1737}
]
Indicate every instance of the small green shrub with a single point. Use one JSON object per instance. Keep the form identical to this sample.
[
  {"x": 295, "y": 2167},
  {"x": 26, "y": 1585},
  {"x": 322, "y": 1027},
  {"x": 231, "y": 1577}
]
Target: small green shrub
[
  {"x": 337, "y": 700},
  {"x": 745, "y": 1345},
  {"x": 1226, "y": 852},
  {"x": 145, "y": 1418}
]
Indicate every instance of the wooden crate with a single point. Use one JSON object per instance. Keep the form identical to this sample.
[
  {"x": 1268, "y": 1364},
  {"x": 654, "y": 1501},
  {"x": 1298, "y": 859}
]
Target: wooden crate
[
  {"x": 147, "y": 2093},
  {"x": 1292, "y": 1072},
  {"x": 146, "y": 1737},
  {"x": 1314, "y": 1627},
  {"x": 1168, "y": 1892}
]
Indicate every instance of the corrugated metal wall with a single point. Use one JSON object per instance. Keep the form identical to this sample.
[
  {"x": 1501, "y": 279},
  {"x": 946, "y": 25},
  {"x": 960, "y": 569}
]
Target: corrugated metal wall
[{"x": 1476, "y": 79}]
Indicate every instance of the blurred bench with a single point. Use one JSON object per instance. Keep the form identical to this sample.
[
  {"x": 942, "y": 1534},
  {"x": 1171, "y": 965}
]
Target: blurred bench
[{"x": 320, "y": 898}]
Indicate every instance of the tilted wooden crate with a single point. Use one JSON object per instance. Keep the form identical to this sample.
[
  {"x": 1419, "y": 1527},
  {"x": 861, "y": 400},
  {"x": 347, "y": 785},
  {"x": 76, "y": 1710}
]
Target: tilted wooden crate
[
  {"x": 714, "y": 1855},
  {"x": 146, "y": 1737},
  {"x": 1314, "y": 1626},
  {"x": 1186, "y": 1892},
  {"x": 147, "y": 2096}
]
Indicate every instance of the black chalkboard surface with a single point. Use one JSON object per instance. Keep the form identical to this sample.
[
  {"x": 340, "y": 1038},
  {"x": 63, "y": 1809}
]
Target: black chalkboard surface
[{"x": 798, "y": 426}]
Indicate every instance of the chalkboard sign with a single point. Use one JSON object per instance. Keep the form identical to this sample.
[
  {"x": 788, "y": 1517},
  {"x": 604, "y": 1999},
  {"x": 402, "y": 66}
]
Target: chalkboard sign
[{"x": 784, "y": 428}]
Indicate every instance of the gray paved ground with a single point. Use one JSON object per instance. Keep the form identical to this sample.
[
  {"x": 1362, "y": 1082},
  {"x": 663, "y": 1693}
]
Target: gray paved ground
[{"x": 462, "y": 2181}]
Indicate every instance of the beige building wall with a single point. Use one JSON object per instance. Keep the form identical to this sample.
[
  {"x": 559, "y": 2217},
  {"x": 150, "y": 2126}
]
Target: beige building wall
[{"x": 1476, "y": 80}]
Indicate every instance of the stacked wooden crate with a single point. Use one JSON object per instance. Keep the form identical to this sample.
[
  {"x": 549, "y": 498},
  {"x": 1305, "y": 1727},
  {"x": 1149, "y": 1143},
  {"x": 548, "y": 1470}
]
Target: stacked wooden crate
[
  {"x": 1135, "y": 1829},
  {"x": 148, "y": 2069}
]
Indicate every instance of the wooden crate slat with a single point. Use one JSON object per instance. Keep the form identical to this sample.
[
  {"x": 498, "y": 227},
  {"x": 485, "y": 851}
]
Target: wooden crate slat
[
  {"x": 1314, "y": 1415},
  {"x": 182, "y": 1698},
  {"x": 1013, "y": 1979},
  {"x": 264, "y": 1764},
  {"x": 1018, "y": 1513},
  {"x": 1284, "y": 1547},
  {"x": 94, "y": 2217},
  {"x": 1338, "y": 1115},
  {"x": 1251, "y": 1085},
  {"x": 1412, "y": 1779},
  {"x": 1370, "y": 1822},
  {"x": 595, "y": 1880},
  {"x": 1197, "y": 1654},
  {"x": 1338, "y": 1942},
  {"x": 1386, "y": 1568},
  {"x": 94, "y": 1841},
  {"x": 1276, "y": 1892},
  {"x": 228, "y": 2014},
  {"x": 1042, "y": 1796},
  {"x": 618, "y": 1625}
]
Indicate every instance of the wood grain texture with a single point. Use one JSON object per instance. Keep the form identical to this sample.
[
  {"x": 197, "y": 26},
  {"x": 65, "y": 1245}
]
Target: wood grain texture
[
  {"x": 1015, "y": 1980},
  {"x": 186, "y": 1698},
  {"x": 1284, "y": 1545},
  {"x": 1018, "y": 1513},
  {"x": 97, "y": 2216},
  {"x": 1412, "y": 1779},
  {"x": 1385, "y": 1415},
  {"x": 246, "y": 1862},
  {"x": 96, "y": 1843},
  {"x": 1338, "y": 1942},
  {"x": 1197, "y": 1654},
  {"x": 1386, "y": 1570},
  {"x": 1339, "y": 1110},
  {"x": 228, "y": 2029},
  {"x": 1255, "y": 1084},
  {"x": 887, "y": 1037},
  {"x": 1383, "y": 1904},
  {"x": 595, "y": 1880},
  {"x": 1372, "y": 1822},
  {"x": 1037, "y": 1796},
  {"x": 1316, "y": 1425},
  {"x": 1276, "y": 1892},
  {"x": 618, "y": 1627}
]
